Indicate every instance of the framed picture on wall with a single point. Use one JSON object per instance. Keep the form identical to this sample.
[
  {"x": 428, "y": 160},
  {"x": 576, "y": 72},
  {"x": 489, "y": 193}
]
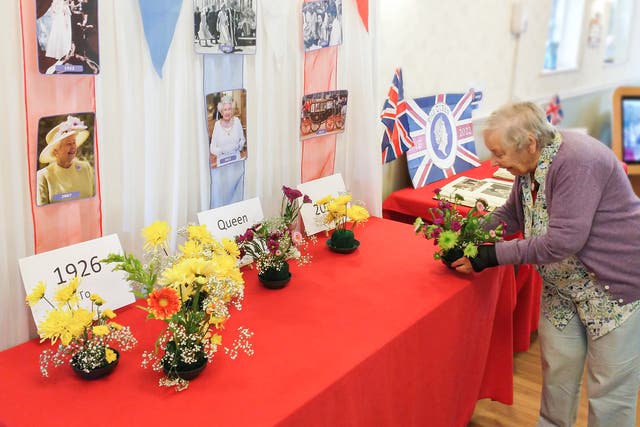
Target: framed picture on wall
[
  {"x": 67, "y": 34},
  {"x": 321, "y": 24},
  {"x": 323, "y": 113},
  {"x": 227, "y": 126},
  {"x": 224, "y": 26},
  {"x": 65, "y": 158}
]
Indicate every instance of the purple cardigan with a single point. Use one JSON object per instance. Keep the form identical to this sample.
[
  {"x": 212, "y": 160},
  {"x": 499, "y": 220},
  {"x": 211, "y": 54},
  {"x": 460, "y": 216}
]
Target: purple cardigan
[{"x": 593, "y": 214}]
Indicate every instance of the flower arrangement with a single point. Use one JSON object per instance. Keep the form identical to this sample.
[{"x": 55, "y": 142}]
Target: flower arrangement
[
  {"x": 341, "y": 211},
  {"x": 87, "y": 337},
  {"x": 455, "y": 234},
  {"x": 192, "y": 291},
  {"x": 272, "y": 242}
]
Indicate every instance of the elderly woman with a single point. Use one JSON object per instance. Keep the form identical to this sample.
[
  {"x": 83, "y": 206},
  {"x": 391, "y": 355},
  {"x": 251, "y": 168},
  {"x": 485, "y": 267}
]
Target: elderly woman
[
  {"x": 581, "y": 223},
  {"x": 227, "y": 167},
  {"x": 66, "y": 177}
]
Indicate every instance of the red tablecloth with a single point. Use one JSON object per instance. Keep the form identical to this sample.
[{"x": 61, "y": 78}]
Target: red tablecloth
[
  {"x": 406, "y": 204},
  {"x": 385, "y": 336}
]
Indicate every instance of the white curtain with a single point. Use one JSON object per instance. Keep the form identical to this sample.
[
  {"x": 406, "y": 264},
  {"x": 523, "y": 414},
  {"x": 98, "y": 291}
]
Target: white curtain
[
  {"x": 15, "y": 216},
  {"x": 152, "y": 136}
]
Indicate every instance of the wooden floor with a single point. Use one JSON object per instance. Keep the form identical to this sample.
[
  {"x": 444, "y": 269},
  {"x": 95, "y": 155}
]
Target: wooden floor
[{"x": 527, "y": 383}]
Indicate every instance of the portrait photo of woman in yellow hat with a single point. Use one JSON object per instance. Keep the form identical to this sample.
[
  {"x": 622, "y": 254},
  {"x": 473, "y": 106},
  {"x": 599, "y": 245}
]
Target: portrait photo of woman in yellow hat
[{"x": 65, "y": 171}]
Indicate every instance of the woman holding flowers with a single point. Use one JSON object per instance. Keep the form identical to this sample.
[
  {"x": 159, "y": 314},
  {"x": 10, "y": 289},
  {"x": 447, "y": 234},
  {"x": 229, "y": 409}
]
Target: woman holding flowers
[{"x": 581, "y": 221}]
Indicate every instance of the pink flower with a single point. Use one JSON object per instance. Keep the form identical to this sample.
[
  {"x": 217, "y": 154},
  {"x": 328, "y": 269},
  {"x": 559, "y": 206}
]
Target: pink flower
[
  {"x": 297, "y": 238},
  {"x": 492, "y": 233},
  {"x": 480, "y": 206},
  {"x": 455, "y": 225}
]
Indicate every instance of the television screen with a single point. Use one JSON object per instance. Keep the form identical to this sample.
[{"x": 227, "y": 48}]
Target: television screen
[{"x": 631, "y": 129}]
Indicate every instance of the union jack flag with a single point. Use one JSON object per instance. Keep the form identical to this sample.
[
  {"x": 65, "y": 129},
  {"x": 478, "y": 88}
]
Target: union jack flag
[
  {"x": 441, "y": 129},
  {"x": 554, "y": 111},
  {"x": 396, "y": 139}
]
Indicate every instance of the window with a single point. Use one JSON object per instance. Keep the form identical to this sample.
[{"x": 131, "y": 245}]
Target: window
[
  {"x": 564, "y": 35},
  {"x": 619, "y": 27}
]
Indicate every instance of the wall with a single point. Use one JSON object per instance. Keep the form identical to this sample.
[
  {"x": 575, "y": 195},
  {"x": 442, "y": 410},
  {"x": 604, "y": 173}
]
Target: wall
[{"x": 454, "y": 45}]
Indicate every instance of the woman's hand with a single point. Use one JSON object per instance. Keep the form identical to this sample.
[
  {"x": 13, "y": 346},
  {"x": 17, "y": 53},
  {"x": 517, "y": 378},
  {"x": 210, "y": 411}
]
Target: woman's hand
[{"x": 462, "y": 265}]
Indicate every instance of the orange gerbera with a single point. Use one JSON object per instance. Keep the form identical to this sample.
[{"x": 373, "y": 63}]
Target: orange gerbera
[{"x": 163, "y": 303}]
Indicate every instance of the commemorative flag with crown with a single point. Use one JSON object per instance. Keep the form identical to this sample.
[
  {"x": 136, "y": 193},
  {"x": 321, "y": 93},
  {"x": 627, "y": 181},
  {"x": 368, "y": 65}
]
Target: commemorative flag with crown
[{"x": 441, "y": 129}]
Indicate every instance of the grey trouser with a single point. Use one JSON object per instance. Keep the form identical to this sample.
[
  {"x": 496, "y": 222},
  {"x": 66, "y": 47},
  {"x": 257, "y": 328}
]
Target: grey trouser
[{"x": 613, "y": 373}]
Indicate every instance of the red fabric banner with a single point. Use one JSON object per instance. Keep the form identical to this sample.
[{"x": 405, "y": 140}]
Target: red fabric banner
[
  {"x": 57, "y": 224},
  {"x": 320, "y": 73},
  {"x": 363, "y": 10}
]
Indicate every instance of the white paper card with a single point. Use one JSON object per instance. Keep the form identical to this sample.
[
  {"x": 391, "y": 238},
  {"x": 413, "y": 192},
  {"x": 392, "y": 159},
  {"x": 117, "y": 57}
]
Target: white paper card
[
  {"x": 232, "y": 220},
  {"x": 57, "y": 267},
  {"x": 312, "y": 214}
]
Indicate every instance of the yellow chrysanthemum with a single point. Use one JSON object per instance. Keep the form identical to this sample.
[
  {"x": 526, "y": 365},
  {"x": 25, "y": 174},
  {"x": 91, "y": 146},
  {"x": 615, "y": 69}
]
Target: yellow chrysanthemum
[
  {"x": 155, "y": 235},
  {"x": 357, "y": 214},
  {"x": 200, "y": 267},
  {"x": 116, "y": 326},
  {"x": 81, "y": 319},
  {"x": 97, "y": 299},
  {"x": 100, "y": 330},
  {"x": 176, "y": 275},
  {"x": 109, "y": 314},
  {"x": 191, "y": 249},
  {"x": 67, "y": 294},
  {"x": 110, "y": 355},
  {"x": 218, "y": 322},
  {"x": 231, "y": 247},
  {"x": 36, "y": 294},
  {"x": 64, "y": 325},
  {"x": 199, "y": 233},
  {"x": 324, "y": 200},
  {"x": 216, "y": 339},
  {"x": 342, "y": 200}
]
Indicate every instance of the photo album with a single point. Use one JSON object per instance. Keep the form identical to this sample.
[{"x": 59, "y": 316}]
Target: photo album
[{"x": 493, "y": 191}]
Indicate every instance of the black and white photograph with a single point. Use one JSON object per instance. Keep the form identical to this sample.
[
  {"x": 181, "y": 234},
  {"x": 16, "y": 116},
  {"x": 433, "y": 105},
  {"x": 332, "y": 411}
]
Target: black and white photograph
[
  {"x": 225, "y": 26},
  {"x": 67, "y": 34},
  {"x": 323, "y": 113},
  {"x": 321, "y": 24},
  {"x": 468, "y": 184},
  {"x": 498, "y": 190}
]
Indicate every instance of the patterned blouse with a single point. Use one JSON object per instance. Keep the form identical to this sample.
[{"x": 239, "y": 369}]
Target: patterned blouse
[{"x": 568, "y": 287}]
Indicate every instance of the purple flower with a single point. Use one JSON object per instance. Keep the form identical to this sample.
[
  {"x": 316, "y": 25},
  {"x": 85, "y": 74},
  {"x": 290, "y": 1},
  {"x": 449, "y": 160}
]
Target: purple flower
[
  {"x": 291, "y": 193},
  {"x": 438, "y": 220},
  {"x": 436, "y": 232},
  {"x": 306, "y": 199},
  {"x": 273, "y": 245},
  {"x": 455, "y": 225},
  {"x": 437, "y": 191}
]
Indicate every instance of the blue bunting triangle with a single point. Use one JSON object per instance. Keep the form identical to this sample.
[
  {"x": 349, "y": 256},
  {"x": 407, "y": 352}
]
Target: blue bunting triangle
[{"x": 159, "y": 19}]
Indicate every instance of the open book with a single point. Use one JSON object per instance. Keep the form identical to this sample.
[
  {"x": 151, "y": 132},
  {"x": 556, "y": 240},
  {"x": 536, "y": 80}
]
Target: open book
[{"x": 493, "y": 191}]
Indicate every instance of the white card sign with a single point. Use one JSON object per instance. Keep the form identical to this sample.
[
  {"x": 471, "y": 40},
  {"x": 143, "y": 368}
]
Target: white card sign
[
  {"x": 232, "y": 220},
  {"x": 57, "y": 267},
  {"x": 312, "y": 214}
]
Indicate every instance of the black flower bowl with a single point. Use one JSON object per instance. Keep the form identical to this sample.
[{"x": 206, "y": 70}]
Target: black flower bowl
[
  {"x": 96, "y": 373},
  {"x": 356, "y": 244}
]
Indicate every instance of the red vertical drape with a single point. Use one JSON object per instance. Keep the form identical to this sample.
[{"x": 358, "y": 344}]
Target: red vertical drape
[{"x": 59, "y": 224}]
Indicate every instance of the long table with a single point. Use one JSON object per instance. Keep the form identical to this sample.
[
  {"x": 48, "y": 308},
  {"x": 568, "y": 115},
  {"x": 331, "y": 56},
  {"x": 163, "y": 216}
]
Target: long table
[
  {"x": 385, "y": 336},
  {"x": 406, "y": 204}
]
